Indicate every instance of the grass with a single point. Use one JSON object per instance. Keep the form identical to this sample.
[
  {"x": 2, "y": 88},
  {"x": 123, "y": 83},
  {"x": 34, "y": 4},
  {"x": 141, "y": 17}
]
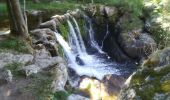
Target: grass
[
  {"x": 63, "y": 7},
  {"x": 14, "y": 44}
]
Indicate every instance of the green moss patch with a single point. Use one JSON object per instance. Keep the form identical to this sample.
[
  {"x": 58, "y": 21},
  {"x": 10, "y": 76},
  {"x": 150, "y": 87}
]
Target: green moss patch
[{"x": 14, "y": 44}]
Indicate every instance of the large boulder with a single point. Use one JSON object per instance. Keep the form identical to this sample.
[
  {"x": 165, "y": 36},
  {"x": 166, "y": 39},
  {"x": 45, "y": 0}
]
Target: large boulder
[
  {"x": 134, "y": 42},
  {"x": 152, "y": 81}
]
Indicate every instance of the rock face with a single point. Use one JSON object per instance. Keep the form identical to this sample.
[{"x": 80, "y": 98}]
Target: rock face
[
  {"x": 8, "y": 58},
  {"x": 152, "y": 81}
]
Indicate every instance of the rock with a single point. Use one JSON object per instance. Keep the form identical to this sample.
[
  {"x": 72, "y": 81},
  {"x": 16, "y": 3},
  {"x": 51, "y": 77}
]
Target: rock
[
  {"x": 52, "y": 24},
  {"x": 158, "y": 59},
  {"x": 89, "y": 85},
  {"x": 42, "y": 35},
  {"x": 60, "y": 77},
  {"x": 113, "y": 83},
  {"x": 159, "y": 96},
  {"x": 77, "y": 97},
  {"x": 110, "y": 11},
  {"x": 46, "y": 37},
  {"x": 8, "y": 58},
  {"x": 133, "y": 41},
  {"x": 30, "y": 69},
  {"x": 5, "y": 76},
  {"x": 148, "y": 83},
  {"x": 137, "y": 44},
  {"x": 42, "y": 60}
]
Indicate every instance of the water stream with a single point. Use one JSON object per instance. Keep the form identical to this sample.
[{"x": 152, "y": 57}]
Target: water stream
[{"x": 82, "y": 62}]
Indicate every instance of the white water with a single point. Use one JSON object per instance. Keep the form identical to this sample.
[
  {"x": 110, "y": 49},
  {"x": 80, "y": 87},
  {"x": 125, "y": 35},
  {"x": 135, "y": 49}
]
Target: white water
[
  {"x": 79, "y": 36},
  {"x": 73, "y": 38},
  {"x": 93, "y": 43},
  {"x": 94, "y": 65}
]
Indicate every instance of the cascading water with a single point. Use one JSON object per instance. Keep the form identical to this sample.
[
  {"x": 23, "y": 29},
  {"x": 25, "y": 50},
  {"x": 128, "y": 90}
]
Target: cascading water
[
  {"x": 90, "y": 31},
  {"x": 93, "y": 65},
  {"x": 79, "y": 36},
  {"x": 107, "y": 33}
]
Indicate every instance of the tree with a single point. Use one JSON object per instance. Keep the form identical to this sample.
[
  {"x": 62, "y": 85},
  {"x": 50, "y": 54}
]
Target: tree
[{"x": 17, "y": 22}]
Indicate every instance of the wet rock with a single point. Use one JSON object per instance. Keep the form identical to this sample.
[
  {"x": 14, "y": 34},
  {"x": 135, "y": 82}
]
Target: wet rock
[
  {"x": 77, "y": 97},
  {"x": 5, "y": 76},
  {"x": 8, "y": 58}
]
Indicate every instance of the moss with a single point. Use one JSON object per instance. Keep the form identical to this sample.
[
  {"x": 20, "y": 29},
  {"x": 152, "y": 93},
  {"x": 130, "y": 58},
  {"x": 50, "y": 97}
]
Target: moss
[
  {"x": 60, "y": 51},
  {"x": 14, "y": 68},
  {"x": 64, "y": 30},
  {"x": 165, "y": 86},
  {"x": 15, "y": 44},
  {"x": 60, "y": 95}
]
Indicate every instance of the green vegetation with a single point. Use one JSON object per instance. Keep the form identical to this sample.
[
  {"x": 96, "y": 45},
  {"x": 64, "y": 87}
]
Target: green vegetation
[
  {"x": 14, "y": 68},
  {"x": 14, "y": 44},
  {"x": 60, "y": 95},
  {"x": 64, "y": 29},
  {"x": 158, "y": 17},
  {"x": 62, "y": 7}
]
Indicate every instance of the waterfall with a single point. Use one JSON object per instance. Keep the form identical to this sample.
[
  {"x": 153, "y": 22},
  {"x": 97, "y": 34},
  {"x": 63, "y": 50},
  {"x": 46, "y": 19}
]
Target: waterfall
[
  {"x": 79, "y": 36},
  {"x": 73, "y": 39},
  {"x": 90, "y": 30},
  {"x": 92, "y": 65},
  {"x": 107, "y": 33}
]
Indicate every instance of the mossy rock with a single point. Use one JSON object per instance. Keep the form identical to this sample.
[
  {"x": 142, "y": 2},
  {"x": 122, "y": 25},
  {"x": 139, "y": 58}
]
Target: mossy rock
[{"x": 152, "y": 78}]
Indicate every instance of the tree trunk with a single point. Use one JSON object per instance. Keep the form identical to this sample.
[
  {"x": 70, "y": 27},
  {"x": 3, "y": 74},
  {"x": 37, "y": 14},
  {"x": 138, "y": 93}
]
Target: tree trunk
[{"x": 17, "y": 21}]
